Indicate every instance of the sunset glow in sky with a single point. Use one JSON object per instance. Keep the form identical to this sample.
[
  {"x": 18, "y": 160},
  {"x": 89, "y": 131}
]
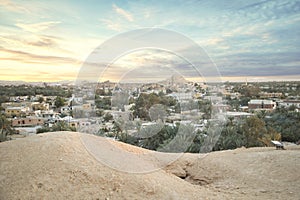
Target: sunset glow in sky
[{"x": 49, "y": 40}]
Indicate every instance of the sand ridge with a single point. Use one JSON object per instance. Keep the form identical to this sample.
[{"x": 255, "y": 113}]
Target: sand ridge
[{"x": 59, "y": 165}]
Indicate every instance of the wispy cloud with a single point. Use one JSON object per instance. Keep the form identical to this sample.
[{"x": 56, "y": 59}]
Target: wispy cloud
[
  {"x": 37, "y": 40},
  {"x": 241, "y": 37},
  {"x": 25, "y": 57},
  {"x": 14, "y": 7},
  {"x": 43, "y": 42},
  {"x": 36, "y": 43},
  {"x": 111, "y": 25},
  {"x": 123, "y": 13},
  {"x": 37, "y": 27}
]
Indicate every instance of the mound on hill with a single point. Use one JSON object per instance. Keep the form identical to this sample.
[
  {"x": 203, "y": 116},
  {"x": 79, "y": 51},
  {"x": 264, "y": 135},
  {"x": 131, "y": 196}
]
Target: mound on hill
[{"x": 69, "y": 165}]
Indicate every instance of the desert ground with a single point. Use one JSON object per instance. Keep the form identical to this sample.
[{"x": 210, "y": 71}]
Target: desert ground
[{"x": 70, "y": 165}]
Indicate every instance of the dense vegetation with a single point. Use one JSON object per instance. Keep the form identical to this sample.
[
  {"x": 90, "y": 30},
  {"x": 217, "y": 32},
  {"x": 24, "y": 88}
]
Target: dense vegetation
[
  {"x": 256, "y": 131},
  {"x": 291, "y": 88},
  {"x": 286, "y": 122},
  {"x": 248, "y": 132},
  {"x": 144, "y": 103},
  {"x": 28, "y": 90},
  {"x": 59, "y": 126}
]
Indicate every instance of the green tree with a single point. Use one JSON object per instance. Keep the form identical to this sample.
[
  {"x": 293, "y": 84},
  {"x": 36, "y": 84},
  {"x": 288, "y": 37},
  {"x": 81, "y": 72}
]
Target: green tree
[
  {"x": 143, "y": 103},
  {"x": 62, "y": 126},
  {"x": 231, "y": 136},
  {"x": 58, "y": 126},
  {"x": 250, "y": 91},
  {"x": 205, "y": 106},
  {"x": 59, "y": 102},
  {"x": 271, "y": 134},
  {"x": 41, "y": 99},
  {"x": 103, "y": 103},
  {"x": 285, "y": 122},
  {"x": 107, "y": 117},
  {"x": 253, "y": 130},
  {"x": 154, "y": 136}
]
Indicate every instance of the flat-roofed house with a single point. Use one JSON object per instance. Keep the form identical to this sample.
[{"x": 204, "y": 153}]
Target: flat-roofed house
[
  {"x": 261, "y": 104},
  {"x": 30, "y": 121},
  {"x": 288, "y": 103},
  {"x": 16, "y": 111}
]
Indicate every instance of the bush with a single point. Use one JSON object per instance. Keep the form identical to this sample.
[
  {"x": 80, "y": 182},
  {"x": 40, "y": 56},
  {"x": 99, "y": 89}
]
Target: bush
[{"x": 59, "y": 126}]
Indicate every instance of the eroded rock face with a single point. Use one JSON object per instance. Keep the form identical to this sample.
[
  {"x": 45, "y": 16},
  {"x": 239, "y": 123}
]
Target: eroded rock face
[
  {"x": 186, "y": 170},
  {"x": 176, "y": 170}
]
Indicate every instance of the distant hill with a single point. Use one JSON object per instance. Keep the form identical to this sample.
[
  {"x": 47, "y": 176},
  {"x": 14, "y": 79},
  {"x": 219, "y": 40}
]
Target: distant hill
[{"x": 174, "y": 80}]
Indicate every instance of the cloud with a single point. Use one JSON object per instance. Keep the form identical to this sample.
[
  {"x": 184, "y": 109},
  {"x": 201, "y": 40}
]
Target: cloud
[
  {"x": 43, "y": 42},
  {"x": 122, "y": 12},
  {"x": 257, "y": 64},
  {"x": 111, "y": 25},
  {"x": 37, "y": 27},
  {"x": 11, "y": 6},
  {"x": 36, "y": 43},
  {"x": 25, "y": 57}
]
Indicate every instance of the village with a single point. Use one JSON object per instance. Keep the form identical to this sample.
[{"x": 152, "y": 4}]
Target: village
[{"x": 106, "y": 108}]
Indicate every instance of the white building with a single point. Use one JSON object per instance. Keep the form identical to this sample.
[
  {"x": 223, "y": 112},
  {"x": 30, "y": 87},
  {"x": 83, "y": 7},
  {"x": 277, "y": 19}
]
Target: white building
[{"x": 288, "y": 103}]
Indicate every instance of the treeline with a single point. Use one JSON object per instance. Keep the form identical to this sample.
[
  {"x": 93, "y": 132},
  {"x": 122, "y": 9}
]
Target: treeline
[
  {"x": 253, "y": 90},
  {"x": 28, "y": 90},
  {"x": 254, "y": 131},
  {"x": 284, "y": 121}
]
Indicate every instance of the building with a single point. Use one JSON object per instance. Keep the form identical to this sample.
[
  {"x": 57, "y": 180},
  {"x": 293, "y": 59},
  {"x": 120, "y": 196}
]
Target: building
[
  {"x": 271, "y": 95},
  {"x": 40, "y": 106},
  {"x": 213, "y": 99},
  {"x": 48, "y": 114},
  {"x": 183, "y": 96},
  {"x": 288, "y": 103},
  {"x": 84, "y": 107},
  {"x": 238, "y": 115},
  {"x": 16, "y": 111},
  {"x": 260, "y": 104},
  {"x": 65, "y": 109},
  {"x": 27, "y": 122},
  {"x": 16, "y": 104},
  {"x": 221, "y": 107}
]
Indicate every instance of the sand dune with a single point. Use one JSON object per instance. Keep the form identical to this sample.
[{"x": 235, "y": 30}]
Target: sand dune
[{"x": 69, "y": 165}]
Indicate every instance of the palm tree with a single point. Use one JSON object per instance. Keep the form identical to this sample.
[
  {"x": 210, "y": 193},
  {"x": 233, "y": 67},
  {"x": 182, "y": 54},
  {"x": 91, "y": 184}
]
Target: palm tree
[{"x": 5, "y": 128}]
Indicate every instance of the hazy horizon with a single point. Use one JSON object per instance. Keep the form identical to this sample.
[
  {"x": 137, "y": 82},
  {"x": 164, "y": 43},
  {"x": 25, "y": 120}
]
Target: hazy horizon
[{"x": 248, "y": 79}]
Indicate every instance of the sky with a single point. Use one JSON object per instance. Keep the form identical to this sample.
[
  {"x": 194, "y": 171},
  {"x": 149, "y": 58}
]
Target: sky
[{"x": 44, "y": 40}]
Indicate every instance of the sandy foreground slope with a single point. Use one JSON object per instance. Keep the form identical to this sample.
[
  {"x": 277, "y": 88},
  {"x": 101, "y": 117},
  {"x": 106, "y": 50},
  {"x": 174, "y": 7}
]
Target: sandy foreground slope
[{"x": 69, "y": 165}]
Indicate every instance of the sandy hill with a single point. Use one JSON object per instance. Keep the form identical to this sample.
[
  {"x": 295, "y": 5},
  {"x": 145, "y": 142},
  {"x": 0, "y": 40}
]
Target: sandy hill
[
  {"x": 68, "y": 165},
  {"x": 174, "y": 79}
]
